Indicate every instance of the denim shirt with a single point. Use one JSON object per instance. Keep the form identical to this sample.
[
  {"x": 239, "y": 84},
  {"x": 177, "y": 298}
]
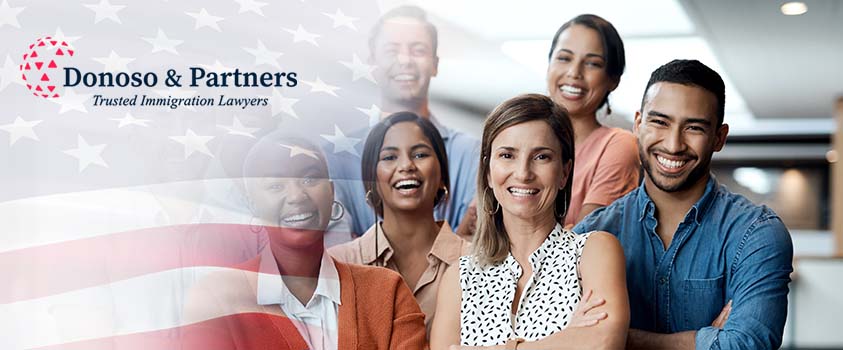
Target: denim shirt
[
  {"x": 463, "y": 153},
  {"x": 726, "y": 248}
]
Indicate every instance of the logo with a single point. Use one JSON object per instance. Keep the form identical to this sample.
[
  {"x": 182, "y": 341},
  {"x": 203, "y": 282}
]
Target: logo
[{"x": 41, "y": 66}]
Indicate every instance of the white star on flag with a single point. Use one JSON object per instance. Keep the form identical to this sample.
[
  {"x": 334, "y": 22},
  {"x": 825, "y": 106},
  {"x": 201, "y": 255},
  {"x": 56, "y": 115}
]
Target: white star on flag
[
  {"x": 341, "y": 142},
  {"x": 105, "y": 10},
  {"x": 359, "y": 69},
  {"x": 237, "y": 128},
  {"x": 281, "y": 104},
  {"x": 373, "y": 112},
  {"x": 205, "y": 19},
  {"x": 251, "y": 6},
  {"x": 158, "y": 174},
  {"x": 61, "y": 37},
  {"x": 321, "y": 86},
  {"x": 70, "y": 100},
  {"x": 300, "y": 34},
  {"x": 216, "y": 67},
  {"x": 264, "y": 55},
  {"x": 9, "y": 15},
  {"x": 87, "y": 154},
  {"x": 163, "y": 43},
  {"x": 130, "y": 120},
  {"x": 296, "y": 150},
  {"x": 194, "y": 143},
  {"x": 341, "y": 20},
  {"x": 9, "y": 73},
  {"x": 20, "y": 129},
  {"x": 114, "y": 63}
]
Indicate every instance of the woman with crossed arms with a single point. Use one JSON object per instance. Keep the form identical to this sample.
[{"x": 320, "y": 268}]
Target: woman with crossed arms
[{"x": 528, "y": 281}]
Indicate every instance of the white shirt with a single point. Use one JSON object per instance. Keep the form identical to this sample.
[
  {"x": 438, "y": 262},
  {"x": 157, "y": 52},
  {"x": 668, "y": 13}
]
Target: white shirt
[
  {"x": 547, "y": 302},
  {"x": 316, "y": 321}
]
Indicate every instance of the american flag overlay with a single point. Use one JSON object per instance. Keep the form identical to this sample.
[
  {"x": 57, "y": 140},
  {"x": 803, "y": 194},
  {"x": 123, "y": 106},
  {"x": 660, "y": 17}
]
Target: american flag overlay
[{"x": 111, "y": 211}]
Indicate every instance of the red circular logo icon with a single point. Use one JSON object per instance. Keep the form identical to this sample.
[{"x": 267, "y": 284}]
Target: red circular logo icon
[{"x": 41, "y": 67}]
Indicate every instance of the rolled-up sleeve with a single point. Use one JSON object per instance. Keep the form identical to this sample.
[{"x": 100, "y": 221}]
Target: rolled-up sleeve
[{"x": 758, "y": 289}]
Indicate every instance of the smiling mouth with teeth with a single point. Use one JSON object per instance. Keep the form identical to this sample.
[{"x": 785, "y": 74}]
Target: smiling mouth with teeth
[
  {"x": 571, "y": 90},
  {"x": 292, "y": 219},
  {"x": 522, "y": 191},
  {"x": 404, "y": 77},
  {"x": 670, "y": 164},
  {"x": 407, "y": 185}
]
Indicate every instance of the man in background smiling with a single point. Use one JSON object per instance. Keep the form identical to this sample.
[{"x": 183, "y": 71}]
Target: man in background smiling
[{"x": 403, "y": 48}]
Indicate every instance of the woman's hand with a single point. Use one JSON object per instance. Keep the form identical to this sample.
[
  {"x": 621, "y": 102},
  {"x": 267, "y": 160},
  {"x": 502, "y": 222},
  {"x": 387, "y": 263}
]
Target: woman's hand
[{"x": 581, "y": 317}]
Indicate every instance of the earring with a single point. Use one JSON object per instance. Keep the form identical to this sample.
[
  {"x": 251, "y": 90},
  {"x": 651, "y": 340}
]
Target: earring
[
  {"x": 446, "y": 195},
  {"x": 338, "y": 208},
  {"x": 608, "y": 107},
  {"x": 497, "y": 208},
  {"x": 564, "y": 200},
  {"x": 370, "y": 198}
]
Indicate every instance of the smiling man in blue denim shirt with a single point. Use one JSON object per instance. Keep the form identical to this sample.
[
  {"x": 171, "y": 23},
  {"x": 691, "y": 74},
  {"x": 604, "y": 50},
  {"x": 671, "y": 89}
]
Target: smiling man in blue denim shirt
[{"x": 706, "y": 268}]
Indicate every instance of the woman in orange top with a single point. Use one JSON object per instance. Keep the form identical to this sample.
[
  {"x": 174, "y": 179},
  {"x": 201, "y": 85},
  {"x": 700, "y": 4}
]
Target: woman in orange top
[
  {"x": 585, "y": 65},
  {"x": 293, "y": 295}
]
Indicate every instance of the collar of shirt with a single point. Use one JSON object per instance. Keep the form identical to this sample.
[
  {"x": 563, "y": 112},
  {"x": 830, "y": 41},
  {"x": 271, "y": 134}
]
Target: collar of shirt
[
  {"x": 272, "y": 290},
  {"x": 445, "y": 248},
  {"x": 538, "y": 256},
  {"x": 697, "y": 211}
]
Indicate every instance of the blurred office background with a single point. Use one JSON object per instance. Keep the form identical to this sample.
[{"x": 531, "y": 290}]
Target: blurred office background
[{"x": 783, "y": 67}]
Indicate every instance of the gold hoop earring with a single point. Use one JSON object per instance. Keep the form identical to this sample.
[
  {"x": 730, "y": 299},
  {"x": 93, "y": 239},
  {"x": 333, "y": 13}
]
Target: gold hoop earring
[
  {"x": 497, "y": 208},
  {"x": 369, "y": 197},
  {"x": 564, "y": 200},
  {"x": 339, "y": 209}
]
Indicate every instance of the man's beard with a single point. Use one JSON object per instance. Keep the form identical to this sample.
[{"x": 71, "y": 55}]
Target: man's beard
[{"x": 697, "y": 173}]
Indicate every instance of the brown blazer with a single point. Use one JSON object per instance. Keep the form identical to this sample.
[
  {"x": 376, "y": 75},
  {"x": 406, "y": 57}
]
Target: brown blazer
[{"x": 377, "y": 311}]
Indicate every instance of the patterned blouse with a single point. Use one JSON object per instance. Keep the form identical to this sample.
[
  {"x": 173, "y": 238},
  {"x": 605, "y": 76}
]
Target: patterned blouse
[{"x": 547, "y": 302}]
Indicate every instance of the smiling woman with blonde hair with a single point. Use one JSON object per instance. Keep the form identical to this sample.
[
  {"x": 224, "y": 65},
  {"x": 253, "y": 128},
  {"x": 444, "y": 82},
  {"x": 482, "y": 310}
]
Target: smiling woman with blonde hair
[{"x": 529, "y": 280}]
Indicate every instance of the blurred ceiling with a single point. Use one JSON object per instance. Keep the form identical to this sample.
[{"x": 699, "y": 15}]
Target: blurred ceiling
[
  {"x": 786, "y": 67},
  {"x": 782, "y": 72}
]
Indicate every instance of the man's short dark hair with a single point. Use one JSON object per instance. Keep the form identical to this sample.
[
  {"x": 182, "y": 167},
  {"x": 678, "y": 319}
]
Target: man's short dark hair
[
  {"x": 691, "y": 73},
  {"x": 413, "y": 12}
]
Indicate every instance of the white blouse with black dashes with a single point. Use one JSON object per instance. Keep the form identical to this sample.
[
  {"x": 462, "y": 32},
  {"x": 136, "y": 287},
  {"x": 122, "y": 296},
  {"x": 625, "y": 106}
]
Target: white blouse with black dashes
[{"x": 547, "y": 302}]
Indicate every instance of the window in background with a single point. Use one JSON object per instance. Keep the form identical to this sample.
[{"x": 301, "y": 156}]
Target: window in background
[{"x": 798, "y": 194}]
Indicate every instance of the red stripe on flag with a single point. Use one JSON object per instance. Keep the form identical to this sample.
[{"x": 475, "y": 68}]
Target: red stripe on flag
[
  {"x": 240, "y": 331},
  {"x": 55, "y": 268}
]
